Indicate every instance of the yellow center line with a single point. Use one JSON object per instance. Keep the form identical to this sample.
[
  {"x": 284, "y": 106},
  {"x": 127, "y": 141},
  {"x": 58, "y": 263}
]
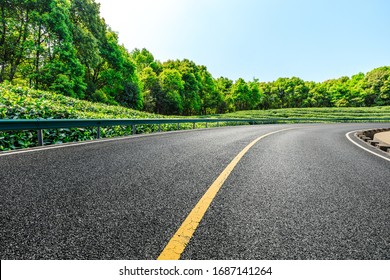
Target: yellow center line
[{"x": 180, "y": 239}]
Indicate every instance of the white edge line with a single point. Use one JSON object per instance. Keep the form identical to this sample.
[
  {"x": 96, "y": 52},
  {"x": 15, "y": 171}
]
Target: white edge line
[
  {"x": 360, "y": 146},
  {"x": 87, "y": 142},
  {"x": 64, "y": 145}
]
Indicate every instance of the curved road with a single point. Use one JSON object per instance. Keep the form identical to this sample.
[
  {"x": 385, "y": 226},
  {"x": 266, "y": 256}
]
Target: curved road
[{"x": 302, "y": 193}]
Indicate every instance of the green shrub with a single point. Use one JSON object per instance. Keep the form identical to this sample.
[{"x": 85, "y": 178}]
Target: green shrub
[{"x": 25, "y": 103}]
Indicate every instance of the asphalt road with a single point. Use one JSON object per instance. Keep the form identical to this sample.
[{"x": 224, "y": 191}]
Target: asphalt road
[{"x": 304, "y": 193}]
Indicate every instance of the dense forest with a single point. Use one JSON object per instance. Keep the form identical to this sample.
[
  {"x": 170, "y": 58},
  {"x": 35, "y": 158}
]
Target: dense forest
[{"x": 65, "y": 46}]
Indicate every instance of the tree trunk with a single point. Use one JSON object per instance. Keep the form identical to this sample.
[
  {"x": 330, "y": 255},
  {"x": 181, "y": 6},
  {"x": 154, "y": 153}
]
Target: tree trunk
[
  {"x": 3, "y": 58},
  {"x": 20, "y": 42},
  {"x": 37, "y": 56}
]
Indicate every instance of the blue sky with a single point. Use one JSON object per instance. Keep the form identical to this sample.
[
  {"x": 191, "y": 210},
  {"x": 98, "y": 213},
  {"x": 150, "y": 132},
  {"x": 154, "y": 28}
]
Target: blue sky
[{"x": 314, "y": 40}]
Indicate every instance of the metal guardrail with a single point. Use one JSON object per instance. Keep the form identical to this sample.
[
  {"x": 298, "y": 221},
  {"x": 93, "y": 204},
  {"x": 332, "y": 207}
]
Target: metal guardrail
[{"x": 41, "y": 124}]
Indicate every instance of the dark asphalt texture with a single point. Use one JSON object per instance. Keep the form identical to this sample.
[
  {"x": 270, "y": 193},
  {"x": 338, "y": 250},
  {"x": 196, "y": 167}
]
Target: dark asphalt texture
[{"x": 306, "y": 193}]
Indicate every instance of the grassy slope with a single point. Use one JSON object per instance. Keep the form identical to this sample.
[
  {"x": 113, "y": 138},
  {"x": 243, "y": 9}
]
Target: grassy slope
[
  {"x": 327, "y": 113},
  {"x": 25, "y": 103}
]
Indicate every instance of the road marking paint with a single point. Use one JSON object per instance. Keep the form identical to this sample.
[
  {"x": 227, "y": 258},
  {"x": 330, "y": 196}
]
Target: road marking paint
[
  {"x": 69, "y": 144},
  {"x": 58, "y": 146},
  {"x": 364, "y": 148},
  {"x": 181, "y": 238}
]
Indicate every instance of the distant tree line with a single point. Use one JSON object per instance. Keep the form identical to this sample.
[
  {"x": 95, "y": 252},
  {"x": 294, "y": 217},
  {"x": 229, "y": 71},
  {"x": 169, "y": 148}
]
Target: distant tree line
[{"x": 65, "y": 46}]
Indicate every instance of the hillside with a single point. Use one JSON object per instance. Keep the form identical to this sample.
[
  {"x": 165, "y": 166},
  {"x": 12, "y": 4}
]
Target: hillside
[
  {"x": 330, "y": 114},
  {"x": 25, "y": 103}
]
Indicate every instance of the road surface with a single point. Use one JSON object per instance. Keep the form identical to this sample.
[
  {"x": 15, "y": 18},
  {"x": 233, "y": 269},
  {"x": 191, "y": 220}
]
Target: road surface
[{"x": 302, "y": 193}]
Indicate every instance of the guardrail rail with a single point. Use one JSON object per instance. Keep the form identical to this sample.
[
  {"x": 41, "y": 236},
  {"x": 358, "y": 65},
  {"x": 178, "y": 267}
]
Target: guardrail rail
[{"x": 40, "y": 124}]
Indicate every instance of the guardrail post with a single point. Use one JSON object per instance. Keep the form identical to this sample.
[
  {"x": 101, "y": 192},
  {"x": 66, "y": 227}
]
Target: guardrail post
[
  {"x": 98, "y": 132},
  {"x": 40, "y": 137},
  {"x": 159, "y": 127},
  {"x": 207, "y": 125},
  {"x": 133, "y": 129},
  {"x": 193, "y": 125},
  {"x": 217, "y": 124},
  {"x": 178, "y": 126}
]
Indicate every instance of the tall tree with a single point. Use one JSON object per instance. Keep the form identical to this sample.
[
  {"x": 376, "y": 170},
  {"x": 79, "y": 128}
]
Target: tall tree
[
  {"x": 89, "y": 32},
  {"x": 15, "y": 39},
  {"x": 61, "y": 71},
  {"x": 192, "y": 83},
  {"x": 241, "y": 94},
  {"x": 255, "y": 94},
  {"x": 208, "y": 95},
  {"x": 376, "y": 87},
  {"x": 223, "y": 87},
  {"x": 170, "y": 100},
  {"x": 151, "y": 89},
  {"x": 143, "y": 59}
]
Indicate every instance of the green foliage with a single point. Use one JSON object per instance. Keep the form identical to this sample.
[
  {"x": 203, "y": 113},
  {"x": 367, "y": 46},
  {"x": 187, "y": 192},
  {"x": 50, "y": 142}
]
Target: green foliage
[
  {"x": 170, "y": 100},
  {"x": 25, "y": 103},
  {"x": 144, "y": 59},
  {"x": 151, "y": 89},
  {"x": 377, "y": 87},
  {"x": 202, "y": 94},
  {"x": 240, "y": 94},
  {"x": 329, "y": 114},
  {"x": 223, "y": 87},
  {"x": 66, "y": 47}
]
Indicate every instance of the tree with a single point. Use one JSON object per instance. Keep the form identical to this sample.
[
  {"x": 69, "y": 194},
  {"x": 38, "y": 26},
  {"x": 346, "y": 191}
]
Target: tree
[
  {"x": 338, "y": 91},
  {"x": 355, "y": 86},
  {"x": 151, "y": 89},
  {"x": 37, "y": 46},
  {"x": 170, "y": 100},
  {"x": 376, "y": 87},
  {"x": 15, "y": 40},
  {"x": 318, "y": 95},
  {"x": 115, "y": 78},
  {"x": 143, "y": 59},
  {"x": 89, "y": 32},
  {"x": 240, "y": 94},
  {"x": 255, "y": 94},
  {"x": 223, "y": 87},
  {"x": 208, "y": 95},
  {"x": 191, "y": 77},
  {"x": 62, "y": 71}
]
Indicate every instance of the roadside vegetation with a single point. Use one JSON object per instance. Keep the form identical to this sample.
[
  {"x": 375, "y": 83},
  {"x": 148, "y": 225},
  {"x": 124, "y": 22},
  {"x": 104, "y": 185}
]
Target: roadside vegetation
[
  {"x": 24, "y": 103},
  {"x": 60, "y": 59},
  {"x": 67, "y": 47},
  {"x": 328, "y": 114}
]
